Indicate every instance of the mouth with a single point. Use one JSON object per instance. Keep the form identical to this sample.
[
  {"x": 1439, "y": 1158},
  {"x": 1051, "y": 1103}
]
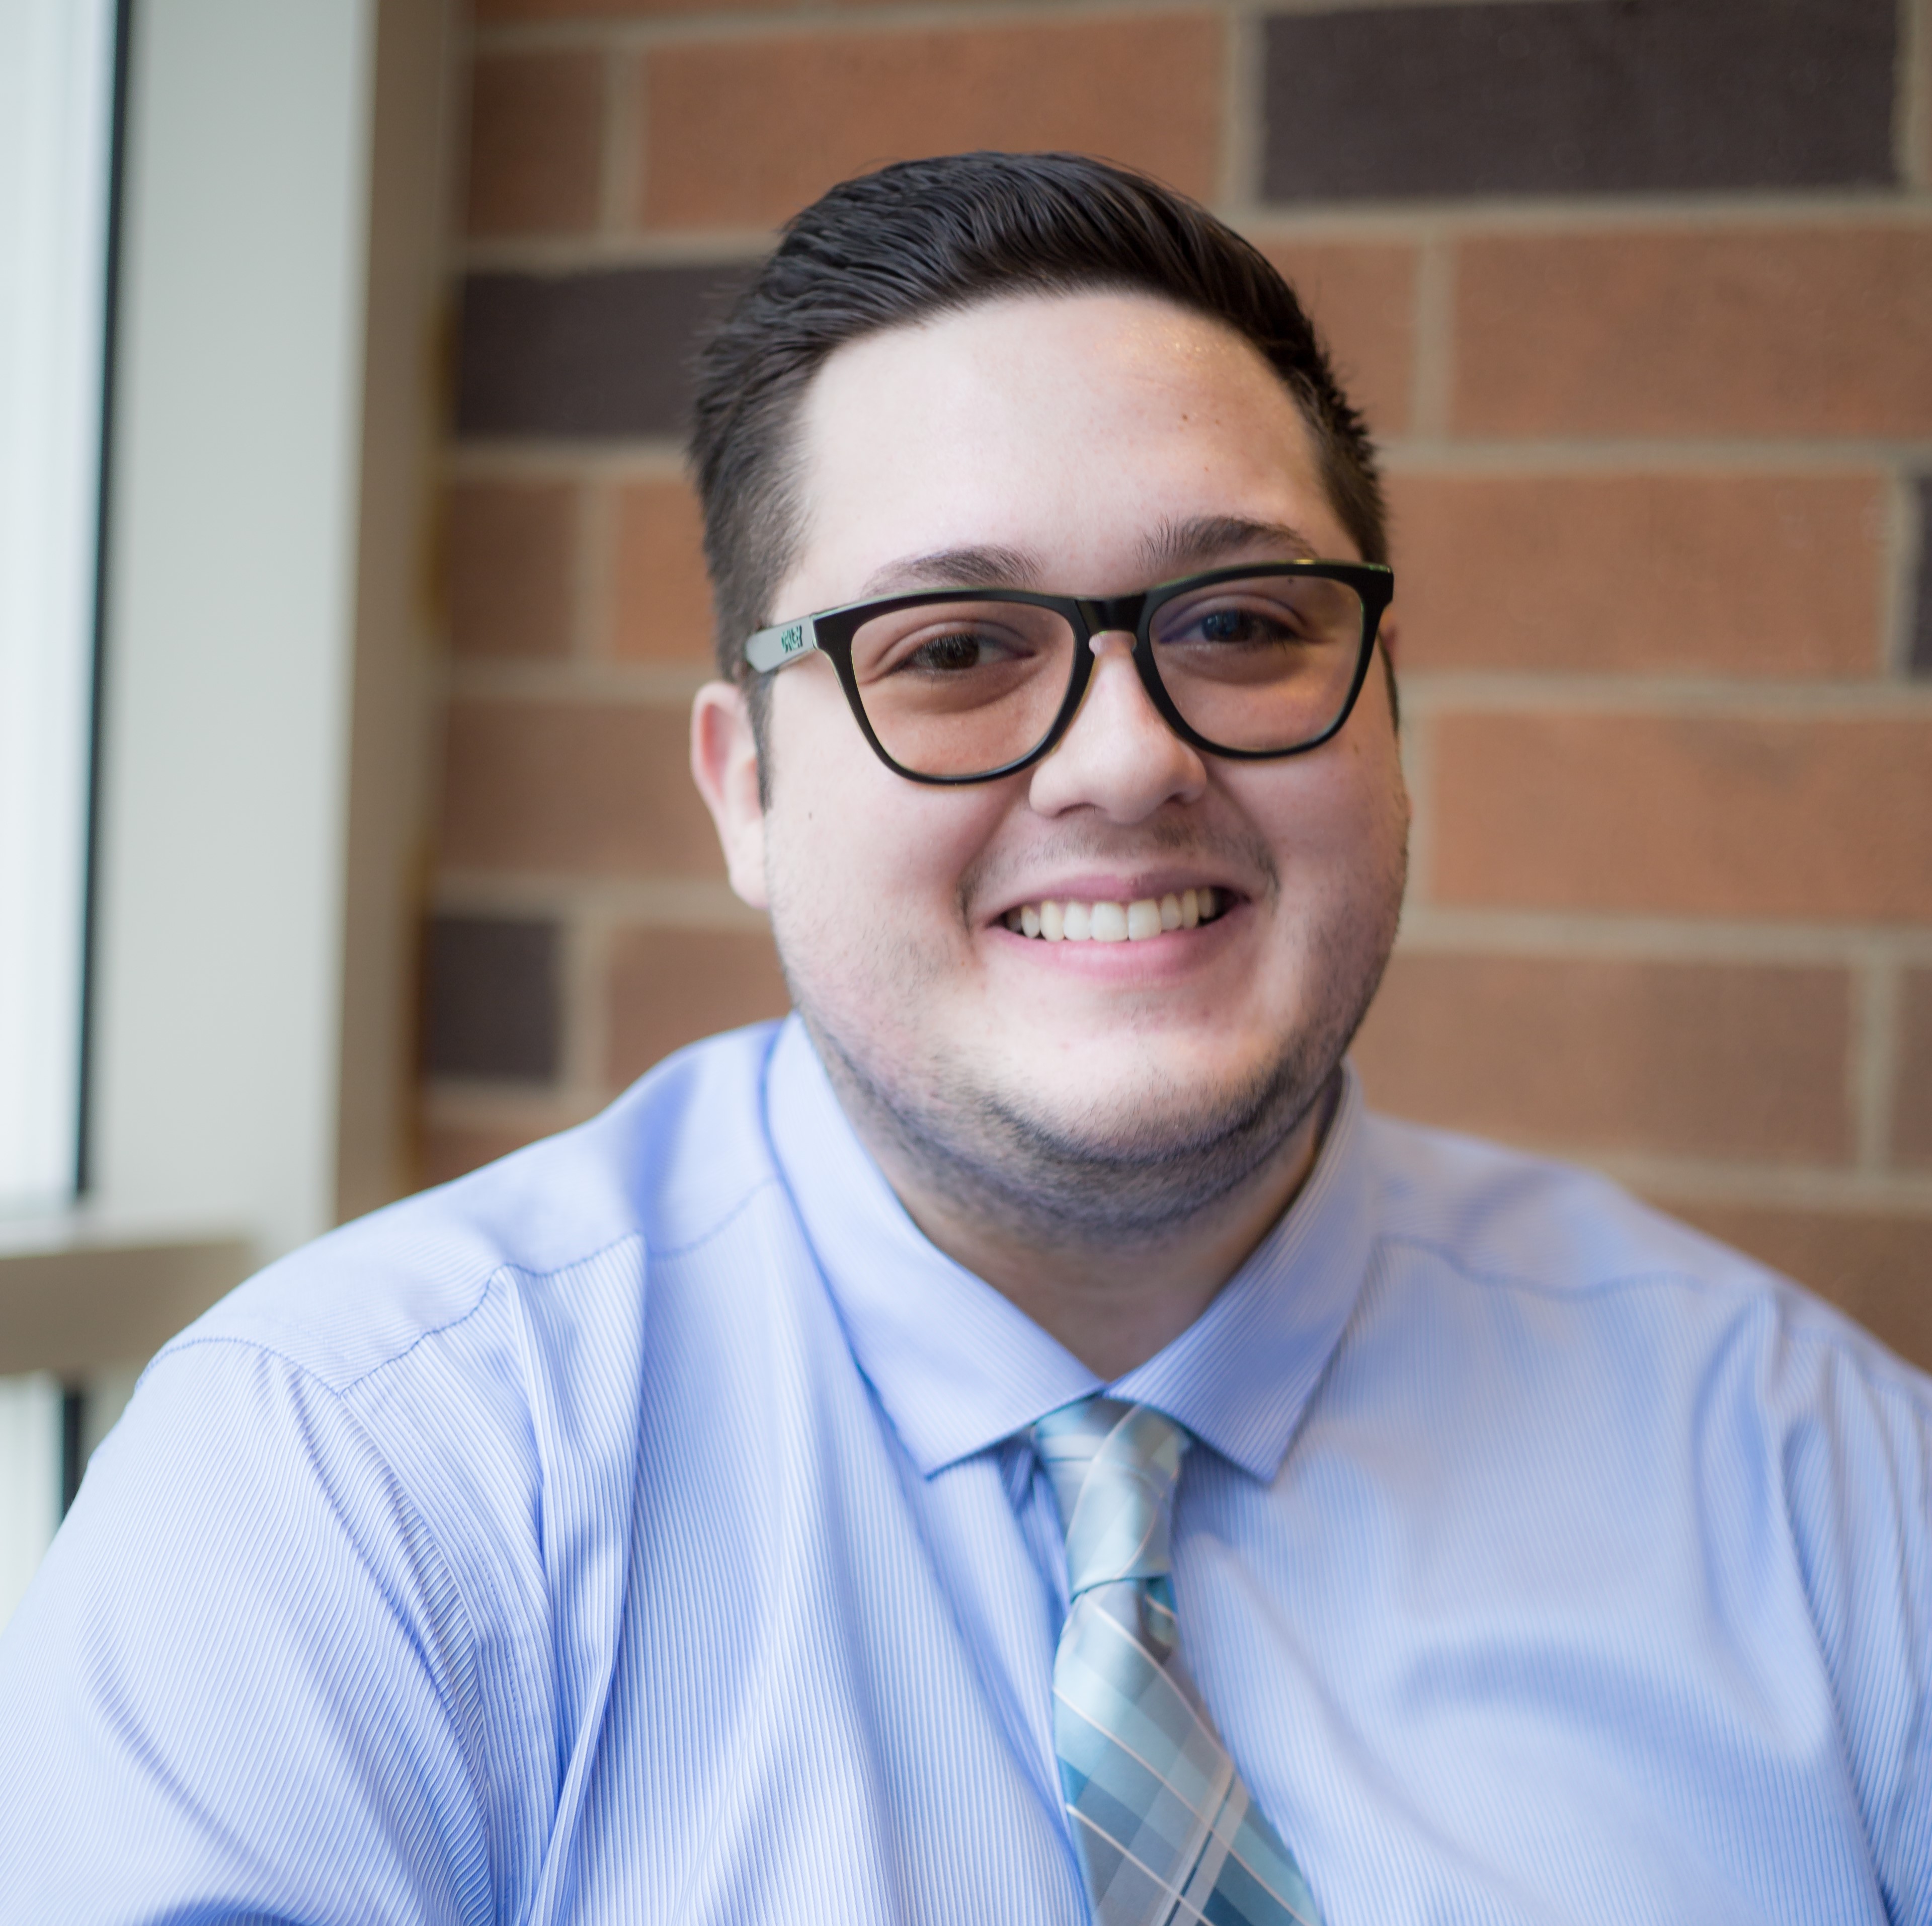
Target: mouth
[{"x": 1076, "y": 920}]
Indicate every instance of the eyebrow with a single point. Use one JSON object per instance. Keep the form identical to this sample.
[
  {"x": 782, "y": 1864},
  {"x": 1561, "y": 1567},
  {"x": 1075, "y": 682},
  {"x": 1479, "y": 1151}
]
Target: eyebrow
[
  {"x": 1176, "y": 547},
  {"x": 1172, "y": 549},
  {"x": 957, "y": 569}
]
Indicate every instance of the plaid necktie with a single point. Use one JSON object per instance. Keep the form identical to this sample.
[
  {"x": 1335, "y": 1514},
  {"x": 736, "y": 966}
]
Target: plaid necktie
[{"x": 1166, "y": 1832}]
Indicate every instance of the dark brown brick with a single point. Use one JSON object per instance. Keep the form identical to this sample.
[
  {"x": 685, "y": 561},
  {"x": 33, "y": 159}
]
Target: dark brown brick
[
  {"x": 1811, "y": 331},
  {"x": 510, "y": 559},
  {"x": 661, "y": 608},
  {"x": 743, "y": 133},
  {"x": 1911, "y": 1112},
  {"x": 1829, "y": 818},
  {"x": 1875, "y": 1266},
  {"x": 669, "y": 987},
  {"x": 536, "y": 140},
  {"x": 598, "y": 353},
  {"x": 1585, "y": 96},
  {"x": 1745, "y": 575},
  {"x": 490, "y": 999},
  {"x": 574, "y": 788},
  {"x": 1596, "y": 1055}
]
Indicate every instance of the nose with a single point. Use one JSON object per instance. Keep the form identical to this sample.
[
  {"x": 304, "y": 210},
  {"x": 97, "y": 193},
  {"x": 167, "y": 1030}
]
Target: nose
[{"x": 1118, "y": 756}]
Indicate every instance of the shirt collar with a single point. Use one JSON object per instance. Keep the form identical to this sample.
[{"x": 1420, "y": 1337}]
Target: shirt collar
[{"x": 959, "y": 1367}]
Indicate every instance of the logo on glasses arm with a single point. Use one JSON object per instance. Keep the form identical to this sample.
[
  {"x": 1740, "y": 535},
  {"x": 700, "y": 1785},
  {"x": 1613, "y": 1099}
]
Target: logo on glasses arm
[{"x": 791, "y": 638}]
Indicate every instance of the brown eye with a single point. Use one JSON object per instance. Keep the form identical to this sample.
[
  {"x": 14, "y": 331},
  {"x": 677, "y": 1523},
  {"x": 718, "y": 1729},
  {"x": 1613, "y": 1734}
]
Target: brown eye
[{"x": 961, "y": 650}]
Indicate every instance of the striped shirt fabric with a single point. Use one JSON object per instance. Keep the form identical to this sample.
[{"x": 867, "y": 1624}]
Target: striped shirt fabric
[{"x": 643, "y": 1528}]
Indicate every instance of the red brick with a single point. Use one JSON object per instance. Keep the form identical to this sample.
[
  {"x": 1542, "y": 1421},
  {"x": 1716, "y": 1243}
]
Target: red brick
[
  {"x": 536, "y": 143},
  {"x": 662, "y": 609},
  {"x": 1752, "y": 575},
  {"x": 669, "y": 987},
  {"x": 1820, "y": 817},
  {"x": 1912, "y": 1113},
  {"x": 1812, "y": 331},
  {"x": 1875, "y": 1266},
  {"x": 1605, "y": 1055},
  {"x": 1362, "y": 296},
  {"x": 574, "y": 788},
  {"x": 510, "y": 558},
  {"x": 743, "y": 133}
]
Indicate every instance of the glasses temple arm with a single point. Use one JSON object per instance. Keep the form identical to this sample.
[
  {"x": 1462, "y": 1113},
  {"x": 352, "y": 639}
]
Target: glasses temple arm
[{"x": 772, "y": 648}]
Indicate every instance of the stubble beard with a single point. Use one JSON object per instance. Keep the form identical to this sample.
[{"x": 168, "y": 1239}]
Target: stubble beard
[{"x": 1144, "y": 1169}]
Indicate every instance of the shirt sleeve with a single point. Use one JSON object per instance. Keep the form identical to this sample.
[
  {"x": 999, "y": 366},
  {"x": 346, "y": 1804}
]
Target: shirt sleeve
[
  {"x": 242, "y": 1685},
  {"x": 1857, "y": 1470}
]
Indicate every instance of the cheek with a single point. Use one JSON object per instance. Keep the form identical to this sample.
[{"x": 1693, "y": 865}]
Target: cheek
[{"x": 856, "y": 854}]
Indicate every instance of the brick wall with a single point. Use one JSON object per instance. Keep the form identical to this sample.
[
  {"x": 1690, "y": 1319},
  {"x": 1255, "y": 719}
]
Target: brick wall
[{"x": 1638, "y": 294}]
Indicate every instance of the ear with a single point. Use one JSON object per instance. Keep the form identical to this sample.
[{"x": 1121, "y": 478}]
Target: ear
[
  {"x": 1388, "y": 636},
  {"x": 724, "y": 765}
]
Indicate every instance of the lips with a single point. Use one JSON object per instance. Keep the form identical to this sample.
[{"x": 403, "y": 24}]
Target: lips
[{"x": 1081, "y": 919}]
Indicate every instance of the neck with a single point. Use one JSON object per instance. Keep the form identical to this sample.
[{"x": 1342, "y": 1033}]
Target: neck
[{"x": 1112, "y": 1301}]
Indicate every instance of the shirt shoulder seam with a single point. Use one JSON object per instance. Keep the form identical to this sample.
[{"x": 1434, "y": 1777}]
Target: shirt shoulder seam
[
  {"x": 466, "y": 1626},
  {"x": 1820, "y": 1339}
]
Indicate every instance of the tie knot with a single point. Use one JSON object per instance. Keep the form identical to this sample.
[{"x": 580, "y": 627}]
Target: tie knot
[{"x": 1113, "y": 1465}]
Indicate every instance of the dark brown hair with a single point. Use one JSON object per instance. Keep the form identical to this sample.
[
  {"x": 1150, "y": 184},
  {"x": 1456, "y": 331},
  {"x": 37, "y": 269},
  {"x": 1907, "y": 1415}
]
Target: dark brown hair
[{"x": 925, "y": 237}]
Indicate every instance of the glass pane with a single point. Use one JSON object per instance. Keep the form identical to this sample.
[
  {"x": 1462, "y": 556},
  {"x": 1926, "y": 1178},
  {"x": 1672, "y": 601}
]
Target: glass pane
[
  {"x": 1261, "y": 663},
  {"x": 56, "y": 101},
  {"x": 953, "y": 688}
]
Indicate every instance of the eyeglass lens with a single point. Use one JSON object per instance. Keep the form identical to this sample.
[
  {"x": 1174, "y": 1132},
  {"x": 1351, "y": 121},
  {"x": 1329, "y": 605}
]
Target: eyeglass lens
[{"x": 959, "y": 687}]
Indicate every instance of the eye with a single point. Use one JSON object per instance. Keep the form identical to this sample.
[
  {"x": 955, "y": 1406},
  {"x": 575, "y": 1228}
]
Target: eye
[
  {"x": 1241, "y": 625},
  {"x": 957, "y": 649},
  {"x": 1247, "y": 624}
]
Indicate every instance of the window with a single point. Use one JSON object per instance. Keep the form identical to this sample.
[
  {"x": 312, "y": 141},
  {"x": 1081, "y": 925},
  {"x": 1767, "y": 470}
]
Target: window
[{"x": 57, "y": 129}]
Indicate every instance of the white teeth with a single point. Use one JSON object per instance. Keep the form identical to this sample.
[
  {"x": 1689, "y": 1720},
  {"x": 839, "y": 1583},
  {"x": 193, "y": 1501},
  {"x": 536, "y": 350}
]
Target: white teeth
[{"x": 1115, "y": 923}]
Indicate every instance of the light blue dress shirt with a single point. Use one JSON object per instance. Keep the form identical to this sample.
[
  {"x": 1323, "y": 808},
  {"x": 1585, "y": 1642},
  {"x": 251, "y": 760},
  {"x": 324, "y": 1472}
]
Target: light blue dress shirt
[{"x": 634, "y": 1531}]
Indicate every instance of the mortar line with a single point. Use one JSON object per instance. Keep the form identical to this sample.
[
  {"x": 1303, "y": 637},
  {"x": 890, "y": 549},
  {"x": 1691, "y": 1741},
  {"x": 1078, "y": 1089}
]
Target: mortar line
[
  {"x": 1244, "y": 86},
  {"x": 1444, "y": 691},
  {"x": 647, "y": 458},
  {"x": 1912, "y": 138},
  {"x": 1636, "y": 937},
  {"x": 1785, "y": 1185},
  {"x": 580, "y": 678},
  {"x": 620, "y": 203},
  {"x": 1413, "y": 222}
]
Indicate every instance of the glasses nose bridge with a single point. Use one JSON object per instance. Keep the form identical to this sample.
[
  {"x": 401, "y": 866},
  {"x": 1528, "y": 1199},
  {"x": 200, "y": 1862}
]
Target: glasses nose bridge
[{"x": 1103, "y": 614}]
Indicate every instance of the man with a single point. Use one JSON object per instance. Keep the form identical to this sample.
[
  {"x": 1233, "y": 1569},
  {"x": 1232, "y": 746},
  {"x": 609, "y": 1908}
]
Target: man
[{"x": 1016, "y": 1442}]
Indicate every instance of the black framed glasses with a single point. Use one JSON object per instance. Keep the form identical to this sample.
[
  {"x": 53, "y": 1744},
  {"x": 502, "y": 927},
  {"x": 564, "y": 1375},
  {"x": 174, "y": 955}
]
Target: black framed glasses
[{"x": 1258, "y": 661}]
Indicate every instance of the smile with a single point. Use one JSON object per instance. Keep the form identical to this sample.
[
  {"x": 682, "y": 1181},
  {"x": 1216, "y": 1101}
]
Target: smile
[{"x": 1074, "y": 921}]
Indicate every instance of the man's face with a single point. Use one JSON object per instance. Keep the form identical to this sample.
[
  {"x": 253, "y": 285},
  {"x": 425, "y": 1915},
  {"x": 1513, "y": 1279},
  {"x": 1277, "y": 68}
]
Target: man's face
[{"x": 1091, "y": 445}]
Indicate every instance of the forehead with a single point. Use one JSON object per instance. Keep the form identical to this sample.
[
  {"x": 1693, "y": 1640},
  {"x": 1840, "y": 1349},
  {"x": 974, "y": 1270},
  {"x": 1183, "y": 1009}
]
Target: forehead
[{"x": 1065, "y": 429}]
